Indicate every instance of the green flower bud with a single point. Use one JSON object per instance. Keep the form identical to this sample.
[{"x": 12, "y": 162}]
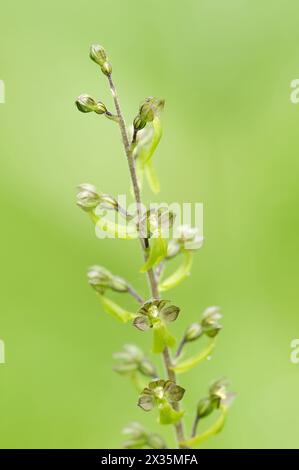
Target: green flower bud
[
  {"x": 100, "y": 108},
  {"x": 131, "y": 359},
  {"x": 138, "y": 123},
  {"x": 210, "y": 321},
  {"x": 137, "y": 436},
  {"x": 108, "y": 202},
  {"x": 106, "y": 68},
  {"x": 205, "y": 407},
  {"x": 154, "y": 441},
  {"x": 147, "y": 368},
  {"x": 98, "y": 54},
  {"x": 150, "y": 108},
  {"x": 193, "y": 332},
  {"x": 87, "y": 197},
  {"x": 124, "y": 368},
  {"x": 100, "y": 279},
  {"x": 118, "y": 284},
  {"x": 189, "y": 238},
  {"x": 173, "y": 249},
  {"x": 86, "y": 104},
  {"x": 134, "y": 431}
]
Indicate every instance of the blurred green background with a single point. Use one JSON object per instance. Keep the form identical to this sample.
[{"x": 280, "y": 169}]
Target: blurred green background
[{"x": 230, "y": 140}]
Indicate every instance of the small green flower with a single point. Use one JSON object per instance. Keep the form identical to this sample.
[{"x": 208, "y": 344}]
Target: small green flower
[
  {"x": 210, "y": 321},
  {"x": 153, "y": 312},
  {"x": 101, "y": 279},
  {"x": 218, "y": 390},
  {"x": 218, "y": 396},
  {"x": 187, "y": 239},
  {"x": 158, "y": 392},
  {"x": 132, "y": 359}
]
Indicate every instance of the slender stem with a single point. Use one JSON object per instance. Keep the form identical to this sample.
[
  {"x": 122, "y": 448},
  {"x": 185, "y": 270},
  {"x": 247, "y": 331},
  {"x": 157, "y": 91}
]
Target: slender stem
[
  {"x": 135, "y": 294},
  {"x": 144, "y": 241},
  {"x": 194, "y": 427},
  {"x": 181, "y": 346},
  {"x": 160, "y": 269}
]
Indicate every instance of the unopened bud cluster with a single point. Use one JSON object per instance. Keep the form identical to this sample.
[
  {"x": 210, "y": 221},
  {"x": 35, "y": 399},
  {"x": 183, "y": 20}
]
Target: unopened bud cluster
[
  {"x": 88, "y": 198},
  {"x": 147, "y": 112},
  {"x": 209, "y": 325},
  {"x": 138, "y": 437},
  {"x": 86, "y": 104},
  {"x": 132, "y": 359},
  {"x": 98, "y": 55},
  {"x": 101, "y": 279}
]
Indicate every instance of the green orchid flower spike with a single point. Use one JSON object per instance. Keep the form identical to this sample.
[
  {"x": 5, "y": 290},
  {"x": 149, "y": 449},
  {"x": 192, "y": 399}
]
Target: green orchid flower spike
[{"x": 162, "y": 244}]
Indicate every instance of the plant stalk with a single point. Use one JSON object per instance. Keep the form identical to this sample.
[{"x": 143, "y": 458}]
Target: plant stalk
[{"x": 144, "y": 241}]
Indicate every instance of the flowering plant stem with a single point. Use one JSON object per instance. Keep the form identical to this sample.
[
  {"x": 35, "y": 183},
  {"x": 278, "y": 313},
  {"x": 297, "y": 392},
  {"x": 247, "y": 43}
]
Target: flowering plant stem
[
  {"x": 144, "y": 242},
  {"x": 154, "y": 313}
]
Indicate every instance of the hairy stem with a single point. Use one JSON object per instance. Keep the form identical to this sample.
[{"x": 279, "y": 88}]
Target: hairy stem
[{"x": 144, "y": 241}]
